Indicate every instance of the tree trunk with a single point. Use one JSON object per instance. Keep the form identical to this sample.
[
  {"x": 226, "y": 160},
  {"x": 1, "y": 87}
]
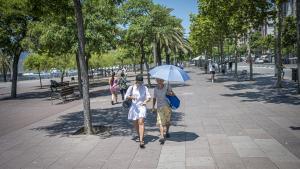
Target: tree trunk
[
  {"x": 41, "y": 85},
  {"x": 62, "y": 76},
  {"x": 167, "y": 56},
  {"x": 154, "y": 45},
  {"x": 4, "y": 72},
  {"x": 14, "y": 78},
  {"x": 143, "y": 56},
  {"x": 298, "y": 42},
  {"x": 85, "y": 82},
  {"x": 250, "y": 58},
  {"x": 79, "y": 74},
  {"x": 159, "y": 60},
  {"x": 222, "y": 56},
  {"x": 148, "y": 75},
  {"x": 235, "y": 58},
  {"x": 278, "y": 45}
]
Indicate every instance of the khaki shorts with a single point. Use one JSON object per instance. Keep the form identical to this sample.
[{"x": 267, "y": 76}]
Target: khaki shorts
[{"x": 164, "y": 116}]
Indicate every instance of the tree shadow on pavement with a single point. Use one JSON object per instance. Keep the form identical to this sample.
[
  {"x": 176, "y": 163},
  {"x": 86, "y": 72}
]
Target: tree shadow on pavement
[
  {"x": 113, "y": 118},
  {"x": 265, "y": 91}
]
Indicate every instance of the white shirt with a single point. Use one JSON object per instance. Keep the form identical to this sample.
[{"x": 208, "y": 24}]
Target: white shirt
[
  {"x": 141, "y": 93},
  {"x": 211, "y": 68}
]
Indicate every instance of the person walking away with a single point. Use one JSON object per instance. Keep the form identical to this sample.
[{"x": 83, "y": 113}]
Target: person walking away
[
  {"x": 139, "y": 94},
  {"x": 123, "y": 85},
  {"x": 212, "y": 70},
  {"x": 230, "y": 66},
  {"x": 163, "y": 109},
  {"x": 113, "y": 87}
]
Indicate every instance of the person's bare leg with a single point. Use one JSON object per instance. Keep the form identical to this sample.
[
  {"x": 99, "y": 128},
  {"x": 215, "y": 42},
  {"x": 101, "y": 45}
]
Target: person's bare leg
[
  {"x": 116, "y": 97},
  {"x": 141, "y": 132},
  {"x": 136, "y": 126},
  {"x": 112, "y": 98},
  {"x": 161, "y": 130},
  {"x": 141, "y": 128}
]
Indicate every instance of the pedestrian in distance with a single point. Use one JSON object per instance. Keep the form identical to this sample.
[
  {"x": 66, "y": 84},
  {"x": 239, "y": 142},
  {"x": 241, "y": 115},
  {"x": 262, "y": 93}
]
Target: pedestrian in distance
[
  {"x": 212, "y": 70},
  {"x": 123, "y": 85},
  {"x": 113, "y": 87},
  {"x": 139, "y": 94},
  {"x": 162, "y": 109}
]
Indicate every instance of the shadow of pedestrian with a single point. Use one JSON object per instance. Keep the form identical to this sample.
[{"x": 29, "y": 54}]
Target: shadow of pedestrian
[{"x": 182, "y": 136}]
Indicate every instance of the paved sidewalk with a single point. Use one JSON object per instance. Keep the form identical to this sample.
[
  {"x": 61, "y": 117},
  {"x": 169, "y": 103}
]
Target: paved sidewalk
[{"x": 225, "y": 125}]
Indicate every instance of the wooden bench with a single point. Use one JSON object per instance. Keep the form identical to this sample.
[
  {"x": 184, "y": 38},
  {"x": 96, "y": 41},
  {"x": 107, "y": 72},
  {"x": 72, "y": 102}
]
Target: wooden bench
[{"x": 62, "y": 93}]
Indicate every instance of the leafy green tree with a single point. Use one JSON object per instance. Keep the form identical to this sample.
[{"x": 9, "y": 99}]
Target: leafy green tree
[
  {"x": 289, "y": 35},
  {"x": 38, "y": 63},
  {"x": 13, "y": 28},
  {"x": 4, "y": 65},
  {"x": 202, "y": 35},
  {"x": 101, "y": 25},
  {"x": 136, "y": 18}
]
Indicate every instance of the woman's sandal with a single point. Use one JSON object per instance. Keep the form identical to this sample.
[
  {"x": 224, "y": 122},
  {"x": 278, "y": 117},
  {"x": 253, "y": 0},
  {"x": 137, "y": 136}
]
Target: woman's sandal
[{"x": 142, "y": 144}]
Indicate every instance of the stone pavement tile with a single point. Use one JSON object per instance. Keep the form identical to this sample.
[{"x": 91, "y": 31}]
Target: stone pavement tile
[
  {"x": 231, "y": 128},
  {"x": 288, "y": 165},
  {"x": 283, "y": 122},
  {"x": 276, "y": 152},
  {"x": 258, "y": 134},
  {"x": 218, "y": 139},
  {"x": 147, "y": 158},
  {"x": 23, "y": 159},
  {"x": 229, "y": 161},
  {"x": 97, "y": 157},
  {"x": 199, "y": 167},
  {"x": 123, "y": 154},
  {"x": 223, "y": 149},
  {"x": 246, "y": 123},
  {"x": 202, "y": 161},
  {"x": 12, "y": 139},
  {"x": 172, "y": 154},
  {"x": 258, "y": 163},
  {"x": 171, "y": 165},
  {"x": 246, "y": 147},
  {"x": 76, "y": 153},
  {"x": 197, "y": 152},
  {"x": 219, "y": 143},
  {"x": 20, "y": 152}
]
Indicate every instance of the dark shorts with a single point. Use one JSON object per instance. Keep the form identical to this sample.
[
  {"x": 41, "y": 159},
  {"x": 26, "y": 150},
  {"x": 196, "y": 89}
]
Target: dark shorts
[{"x": 212, "y": 72}]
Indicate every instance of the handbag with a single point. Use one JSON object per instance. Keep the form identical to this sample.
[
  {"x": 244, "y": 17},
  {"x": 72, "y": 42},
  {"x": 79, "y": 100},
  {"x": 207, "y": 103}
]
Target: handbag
[
  {"x": 127, "y": 102},
  {"x": 173, "y": 101}
]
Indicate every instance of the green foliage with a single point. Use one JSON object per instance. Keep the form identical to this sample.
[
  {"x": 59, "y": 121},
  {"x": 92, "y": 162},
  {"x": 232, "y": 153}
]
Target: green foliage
[
  {"x": 119, "y": 56},
  {"x": 221, "y": 19},
  {"x": 202, "y": 35},
  {"x": 289, "y": 34},
  {"x": 101, "y": 18},
  {"x": 38, "y": 63}
]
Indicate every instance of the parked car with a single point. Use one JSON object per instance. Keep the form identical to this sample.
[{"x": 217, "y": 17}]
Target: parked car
[{"x": 259, "y": 61}]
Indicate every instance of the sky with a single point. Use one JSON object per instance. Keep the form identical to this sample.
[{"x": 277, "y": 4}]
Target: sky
[{"x": 182, "y": 9}]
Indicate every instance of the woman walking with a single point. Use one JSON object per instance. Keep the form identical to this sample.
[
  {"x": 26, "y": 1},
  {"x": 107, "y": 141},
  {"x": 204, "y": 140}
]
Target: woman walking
[
  {"x": 113, "y": 87},
  {"x": 139, "y": 94},
  {"x": 123, "y": 85},
  {"x": 163, "y": 109}
]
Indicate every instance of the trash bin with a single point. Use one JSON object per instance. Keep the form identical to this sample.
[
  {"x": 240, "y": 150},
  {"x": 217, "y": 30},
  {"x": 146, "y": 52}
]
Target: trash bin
[{"x": 294, "y": 74}]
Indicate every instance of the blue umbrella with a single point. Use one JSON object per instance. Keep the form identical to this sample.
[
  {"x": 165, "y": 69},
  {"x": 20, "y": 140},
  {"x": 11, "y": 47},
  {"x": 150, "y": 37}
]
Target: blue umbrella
[{"x": 169, "y": 73}]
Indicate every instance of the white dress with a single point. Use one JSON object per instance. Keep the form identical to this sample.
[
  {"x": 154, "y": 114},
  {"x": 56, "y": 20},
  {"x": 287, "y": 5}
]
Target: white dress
[{"x": 137, "y": 110}]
